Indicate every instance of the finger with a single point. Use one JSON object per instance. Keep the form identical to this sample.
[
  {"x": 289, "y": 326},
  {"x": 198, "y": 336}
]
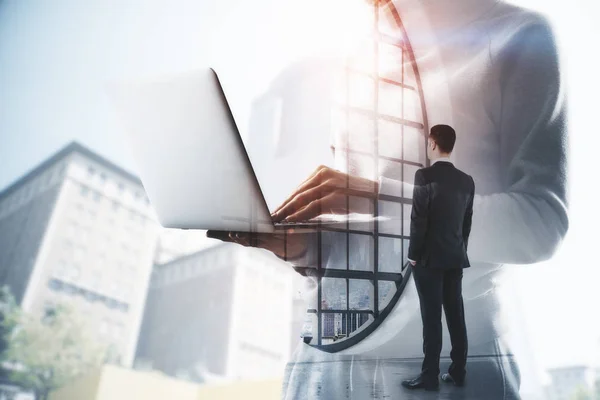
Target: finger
[
  {"x": 309, "y": 182},
  {"x": 315, "y": 182},
  {"x": 220, "y": 235},
  {"x": 244, "y": 239},
  {"x": 234, "y": 237},
  {"x": 317, "y": 171},
  {"x": 224, "y": 236},
  {"x": 303, "y": 199},
  {"x": 314, "y": 209},
  {"x": 303, "y": 186}
]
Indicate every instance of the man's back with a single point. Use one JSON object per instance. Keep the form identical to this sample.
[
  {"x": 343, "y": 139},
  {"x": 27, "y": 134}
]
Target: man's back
[{"x": 442, "y": 222}]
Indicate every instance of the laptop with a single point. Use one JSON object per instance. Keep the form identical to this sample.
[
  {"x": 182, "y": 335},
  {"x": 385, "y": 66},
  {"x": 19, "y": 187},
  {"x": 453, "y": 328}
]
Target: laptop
[{"x": 191, "y": 158}]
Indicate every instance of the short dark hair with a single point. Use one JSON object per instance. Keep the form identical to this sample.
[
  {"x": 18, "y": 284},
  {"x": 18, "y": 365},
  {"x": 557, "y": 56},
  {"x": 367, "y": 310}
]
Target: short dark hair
[{"x": 444, "y": 136}]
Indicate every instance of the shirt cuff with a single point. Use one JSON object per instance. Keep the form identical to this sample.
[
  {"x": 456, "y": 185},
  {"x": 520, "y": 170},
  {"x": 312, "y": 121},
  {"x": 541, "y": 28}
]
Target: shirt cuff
[
  {"x": 410, "y": 260},
  {"x": 390, "y": 187}
]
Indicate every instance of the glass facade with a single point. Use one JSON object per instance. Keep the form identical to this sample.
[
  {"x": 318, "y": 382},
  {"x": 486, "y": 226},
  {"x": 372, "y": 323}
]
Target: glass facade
[{"x": 380, "y": 120}]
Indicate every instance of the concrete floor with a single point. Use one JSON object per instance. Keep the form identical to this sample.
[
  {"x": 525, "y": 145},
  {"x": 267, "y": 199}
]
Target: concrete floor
[{"x": 381, "y": 379}]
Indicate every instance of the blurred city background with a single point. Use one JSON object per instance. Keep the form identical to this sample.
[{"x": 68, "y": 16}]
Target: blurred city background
[
  {"x": 99, "y": 301},
  {"x": 90, "y": 279}
]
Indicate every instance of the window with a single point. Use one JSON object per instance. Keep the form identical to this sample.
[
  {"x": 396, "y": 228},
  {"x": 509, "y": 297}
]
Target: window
[
  {"x": 50, "y": 311},
  {"x": 91, "y": 171},
  {"x": 97, "y": 197},
  {"x": 84, "y": 191},
  {"x": 380, "y": 125},
  {"x": 121, "y": 187},
  {"x": 102, "y": 178}
]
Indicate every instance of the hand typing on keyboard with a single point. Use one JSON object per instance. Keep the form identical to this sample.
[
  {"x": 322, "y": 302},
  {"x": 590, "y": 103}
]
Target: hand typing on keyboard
[{"x": 326, "y": 191}]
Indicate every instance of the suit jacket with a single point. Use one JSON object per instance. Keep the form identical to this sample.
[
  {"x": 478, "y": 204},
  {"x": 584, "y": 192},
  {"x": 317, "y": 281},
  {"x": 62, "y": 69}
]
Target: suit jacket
[{"x": 441, "y": 217}]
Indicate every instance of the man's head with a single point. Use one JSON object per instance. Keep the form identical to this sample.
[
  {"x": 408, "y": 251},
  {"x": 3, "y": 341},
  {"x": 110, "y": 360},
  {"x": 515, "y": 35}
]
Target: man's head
[{"x": 441, "y": 141}]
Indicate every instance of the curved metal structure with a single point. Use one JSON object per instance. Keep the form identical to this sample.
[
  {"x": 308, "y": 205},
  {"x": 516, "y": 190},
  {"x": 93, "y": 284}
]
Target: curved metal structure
[{"x": 353, "y": 299}]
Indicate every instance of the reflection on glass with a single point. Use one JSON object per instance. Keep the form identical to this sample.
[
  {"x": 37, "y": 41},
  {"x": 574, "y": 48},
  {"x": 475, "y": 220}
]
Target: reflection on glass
[
  {"x": 390, "y": 100},
  {"x": 362, "y": 58},
  {"x": 337, "y": 326},
  {"x": 361, "y": 132},
  {"x": 406, "y": 227},
  {"x": 387, "y": 24},
  {"x": 392, "y": 212},
  {"x": 409, "y": 73},
  {"x": 360, "y": 91},
  {"x": 412, "y": 106},
  {"x": 387, "y": 290},
  {"x": 361, "y": 294},
  {"x": 390, "y": 62},
  {"x": 389, "y": 137},
  {"x": 390, "y": 254},
  {"x": 414, "y": 145},
  {"x": 333, "y": 295},
  {"x": 334, "y": 251},
  {"x": 392, "y": 170},
  {"x": 361, "y": 165},
  {"x": 366, "y": 207},
  {"x": 361, "y": 256},
  {"x": 409, "y": 180}
]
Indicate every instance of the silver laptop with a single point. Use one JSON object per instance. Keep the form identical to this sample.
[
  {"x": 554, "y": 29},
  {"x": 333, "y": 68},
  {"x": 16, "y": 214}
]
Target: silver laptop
[{"x": 190, "y": 155}]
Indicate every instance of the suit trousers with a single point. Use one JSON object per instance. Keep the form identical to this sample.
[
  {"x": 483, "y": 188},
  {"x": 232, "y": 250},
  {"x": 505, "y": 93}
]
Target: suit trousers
[{"x": 439, "y": 288}]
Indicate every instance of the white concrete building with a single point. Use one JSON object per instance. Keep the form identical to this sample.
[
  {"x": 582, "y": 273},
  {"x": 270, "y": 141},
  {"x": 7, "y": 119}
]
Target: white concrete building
[
  {"x": 223, "y": 313},
  {"x": 78, "y": 229},
  {"x": 566, "y": 381}
]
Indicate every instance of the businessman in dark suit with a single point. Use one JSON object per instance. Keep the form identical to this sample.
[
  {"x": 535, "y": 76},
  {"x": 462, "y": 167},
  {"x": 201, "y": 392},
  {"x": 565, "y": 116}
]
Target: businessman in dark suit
[{"x": 439, "y": 233}]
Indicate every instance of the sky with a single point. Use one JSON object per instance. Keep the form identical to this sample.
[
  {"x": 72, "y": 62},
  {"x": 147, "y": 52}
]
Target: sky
[{"x": 56, "y": 58}]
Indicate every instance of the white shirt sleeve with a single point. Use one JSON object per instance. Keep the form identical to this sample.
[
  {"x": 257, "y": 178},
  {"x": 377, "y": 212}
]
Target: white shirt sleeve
[
  {"x": 527, "y": 220},
  {"x": 390, "y": 187}
]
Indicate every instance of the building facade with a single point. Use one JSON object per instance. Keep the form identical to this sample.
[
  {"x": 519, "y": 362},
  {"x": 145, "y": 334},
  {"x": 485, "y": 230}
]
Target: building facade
[
  {"x": 567, "y": 382},
  {"x": 80, "y": 230},
  {"x": 223, "y": 313}
]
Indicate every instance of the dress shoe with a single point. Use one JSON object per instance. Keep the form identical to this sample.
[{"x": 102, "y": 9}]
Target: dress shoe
[
  {"x": 449, "y": 379},
  {"x": 420, "y": 383}
]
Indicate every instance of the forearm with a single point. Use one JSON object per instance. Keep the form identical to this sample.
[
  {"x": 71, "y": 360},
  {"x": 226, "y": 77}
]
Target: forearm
[
  {"x": 301, "y": 251},
  {"x": 512, "y": 228},
  {"x": 516, "y": 228}
]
